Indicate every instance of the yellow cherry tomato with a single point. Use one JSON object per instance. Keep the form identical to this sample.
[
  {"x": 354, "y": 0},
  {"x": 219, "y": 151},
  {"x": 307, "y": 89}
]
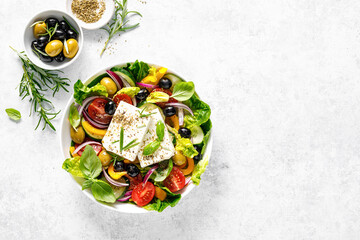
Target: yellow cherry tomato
[
  {"x": 72, "y": 48},
  {"x": 109, "y": 84},
  {"x": 53, "y": 48}
]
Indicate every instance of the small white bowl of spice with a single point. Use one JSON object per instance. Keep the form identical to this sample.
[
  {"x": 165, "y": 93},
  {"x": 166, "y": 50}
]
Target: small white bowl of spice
[{"x": 91, "y": 14}]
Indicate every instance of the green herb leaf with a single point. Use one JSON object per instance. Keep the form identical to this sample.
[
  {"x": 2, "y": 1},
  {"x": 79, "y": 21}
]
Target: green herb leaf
[
  {"x": 160, "y": 130},
  {"x": 161, "y": 174},
  {"x": 70, "y": 25},
  {"x": 121, "y": 139},
  {"x": 90, "y": 164},
  {"x": 156, "y": 97},
  {"x": 72, "y": 165},
  {"x": 131, "y": 144},
  {"x": 151, "y": 147},
  {"x": 102, "y": 191},
  {"x": 86, "y": 184},
  {"x": 183, "y": 91},
  {"x": 74, "y": 116},
  {"x": 13, "y": 114}
]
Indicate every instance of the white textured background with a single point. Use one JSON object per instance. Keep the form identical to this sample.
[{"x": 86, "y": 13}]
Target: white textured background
[{"x": 282, "y": 78}]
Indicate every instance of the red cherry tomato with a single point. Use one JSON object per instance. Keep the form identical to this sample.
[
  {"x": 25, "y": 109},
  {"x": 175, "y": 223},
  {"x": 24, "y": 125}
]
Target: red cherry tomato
[
  {"x": 97, "y": 149},
  {"x": 122, "y": 97},
  {"x": 97, "y": 112},
  {"x": 168, "y": 92},
  {"x": 175, "y": 181},
  {"x": 143, "y": 194},
  {"x": 134, "y": 181}
]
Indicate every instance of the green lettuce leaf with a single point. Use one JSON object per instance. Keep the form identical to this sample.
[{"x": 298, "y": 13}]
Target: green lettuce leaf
[
  {"x": 201, "y": 111},
  {"x": 184, "y": 145},
  {"x": 72, "y": 165},
  {"x": 81, "y": 92},
  {"x": 155, "y": 97},
  {"x": 199, "y": 170},
  {"x": 138, "y": 70},
  {"x": 206, "y": 127},
  {"x": 130, "y": 91},
  {"x": 171, "y": 200}
]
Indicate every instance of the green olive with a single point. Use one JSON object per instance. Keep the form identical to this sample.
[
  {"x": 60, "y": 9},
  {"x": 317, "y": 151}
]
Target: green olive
[
  {"x": 72, "y": 48},
  {"x": 109, "y": 84},
  {"x": 77, "y": 136},
  {"x": 105, "y": 158},
  {"x": 39, "y": 28},
  {"x": 179, "y": 159},
  {"x": 53, "y": 48}
]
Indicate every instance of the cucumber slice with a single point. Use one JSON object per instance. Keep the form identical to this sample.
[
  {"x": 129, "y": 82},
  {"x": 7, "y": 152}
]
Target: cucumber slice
[
  {"x": 174, "y": 79},
  {"x": 92, "y": 132},
  {"x": 150, "y": 107},
  {"x": 197, "y": 135},
  {"x": 124, "y": 74}
]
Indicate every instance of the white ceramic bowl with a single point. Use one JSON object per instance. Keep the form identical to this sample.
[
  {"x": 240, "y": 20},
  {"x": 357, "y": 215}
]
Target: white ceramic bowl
[
  {"x": 105, "y": 18},
  {"x": 65, "y": 143},
  {"x": 29, "y": 37}
]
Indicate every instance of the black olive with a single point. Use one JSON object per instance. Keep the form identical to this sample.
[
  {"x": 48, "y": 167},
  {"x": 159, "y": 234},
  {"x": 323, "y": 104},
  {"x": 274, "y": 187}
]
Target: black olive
[
  {"x": 197, "y": 157},
  {"x": 142, "y": 94},
  {"x": 59, "y": 35},
  {"x": 165, "y": 83},
  {"x": 119, "y": 166},
  {"x": 110, "y": 107},
  {"x": 34, "y": 45},
  {"x": 45, "y": 58},
  {"x": 132, "y": 170},
  {"x": 60, "y": 57},
  {"x": 169, "y": 111},
  {"x": 184, "y": 132},
  {"x": 63, "y": 25},
  {"x": 71, "y": 34},
  {"x": 42, "y": 41},
  {"x": 51, "y": 22}
]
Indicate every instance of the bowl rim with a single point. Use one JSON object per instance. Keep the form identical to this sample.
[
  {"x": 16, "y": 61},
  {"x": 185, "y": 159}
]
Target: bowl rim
[
  {"x": 64, "y": 121},
  {"x": 48, "y": 66},
  {"x": 96, "y": 25}
]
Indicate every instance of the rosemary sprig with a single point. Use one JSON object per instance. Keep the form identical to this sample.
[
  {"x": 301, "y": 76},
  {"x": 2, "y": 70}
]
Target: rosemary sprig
[
  {"x": 142, "y": 114},
  {"x": 119, "y": 22},
  {"x": 34, "y": 82}
]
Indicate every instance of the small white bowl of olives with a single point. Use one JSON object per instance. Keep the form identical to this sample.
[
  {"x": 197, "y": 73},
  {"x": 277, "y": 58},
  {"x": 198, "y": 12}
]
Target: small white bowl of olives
[{"x": 53, "y": 40}]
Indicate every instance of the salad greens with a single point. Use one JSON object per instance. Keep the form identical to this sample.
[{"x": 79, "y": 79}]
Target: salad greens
[
  {"x": 171, "y": 200},
  {"x": 201, "y": 111},
  {"x": 72, "y": 165},
  {"x": 199, "y": 170},
  {"x": 13, "y": 114},
  {"x": 81, "y": 92},
  {"x": 183, "y": 91},
  {"x": 160, "y": 173},
  {"x": 183, "y": 145},
  {"x": 137, "y": 70},
  {"x": 130, "y": 91},
  {"x": 74, "y": 116},
  {"x": 156, "y": 97}
]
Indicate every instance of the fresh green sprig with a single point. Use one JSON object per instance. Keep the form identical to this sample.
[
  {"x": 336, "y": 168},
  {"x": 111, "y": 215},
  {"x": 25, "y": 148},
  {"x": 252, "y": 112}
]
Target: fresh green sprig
[
  {"x": 70, "y": 25},
  {"x": 34, "y": 82},
  {"x": 50, "y": 31},
  {"x": 153, "y": 146},
  {"x": 119, "y": 22},
  {"x": 131, "y": 144},
  {"x": 142, "y": 114}
]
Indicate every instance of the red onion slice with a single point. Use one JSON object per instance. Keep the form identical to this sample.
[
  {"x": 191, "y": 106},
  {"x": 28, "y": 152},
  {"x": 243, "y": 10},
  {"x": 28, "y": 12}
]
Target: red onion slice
[
  {"x": 116, "y": 79},
  {"x": 188, "y": 180},
  {"x": 112, "y": 181},
  {"x": 124, "y": 199},
  {"x": 181, "y": 106},
  {"x": 88, "y": 100},
  {"x": 148, "y": 174},
  {"x": 147, "y": 85},
  {"x": 128, "y": 193},
  {"x": 84, "y": 144},
  {"x": 181, "y": 116},
  {"x": 124, "y": 82},
  {"x": 93, "y": 123}
]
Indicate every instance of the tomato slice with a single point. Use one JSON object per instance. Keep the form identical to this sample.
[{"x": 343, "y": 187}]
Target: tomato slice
[
  {"x": 168, "y": 92},
  {"x": 134, "y": 181},
  {"x": 143, "y": 194},
  {"x": 97, "y": 149},
  {"x": 175, "y": 181},
  {"x": 122, "y": 97},
  {"x": 97, "y": 112}
]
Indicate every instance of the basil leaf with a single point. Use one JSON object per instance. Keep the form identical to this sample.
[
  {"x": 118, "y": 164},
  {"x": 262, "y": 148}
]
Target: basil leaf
[
  {"x": 151, "y": 147},
  {"x": 90, "y": 164},
  {"x": 87, "y": 184},
  {"x": 74, "y": 116},
  {"x": 160, "y": 130},
  {"x": 72, "y": 165},
  {"x": 160, "y": 175},
  {"x": 13, "y": 114},
  {"x": 183, "y": 91},
  {"x": 155, "y": 97},
  {"x": 102, "y": 191}
]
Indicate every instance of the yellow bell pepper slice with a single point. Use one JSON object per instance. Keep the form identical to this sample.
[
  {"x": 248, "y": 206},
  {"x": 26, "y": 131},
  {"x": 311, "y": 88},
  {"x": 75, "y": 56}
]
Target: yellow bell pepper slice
[
  {"x": 160, "y": 194},
  {"x": 93, "y": 131},
  {"x": 72, "y": 149},
  {"x": 113, "y": 174},
  {"x": 173, "y": 121},
  {"x": 160, "y": 73},
  {"x": 189, "y": 168}
]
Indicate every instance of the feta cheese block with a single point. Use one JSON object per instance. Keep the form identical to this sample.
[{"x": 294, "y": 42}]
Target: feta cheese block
[
  {"x": 166, "y": 149},
  {"x": 135, "y": 127}
]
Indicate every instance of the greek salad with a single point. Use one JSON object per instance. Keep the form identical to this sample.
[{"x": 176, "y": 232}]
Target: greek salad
[{"x": 139, "y": 133}]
